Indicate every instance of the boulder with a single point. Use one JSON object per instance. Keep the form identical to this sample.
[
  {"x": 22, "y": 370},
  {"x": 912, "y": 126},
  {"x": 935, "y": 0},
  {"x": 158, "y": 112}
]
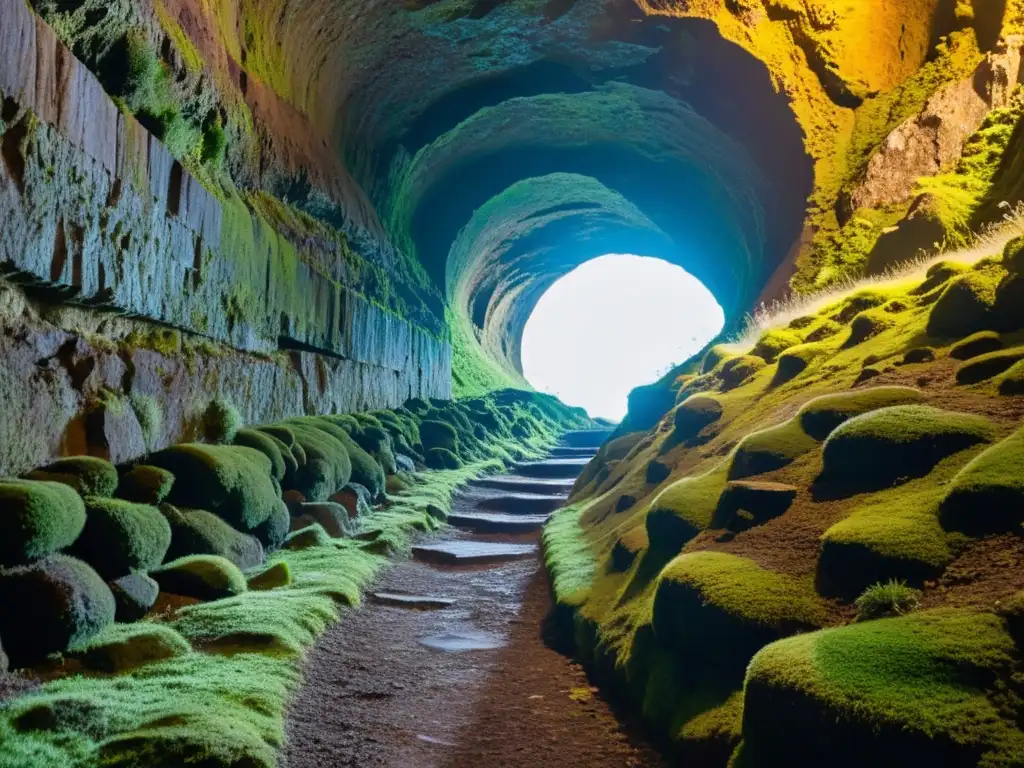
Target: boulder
[
  {"x": 121, "y": 537},
  {"x": 198, "y": 532},
  {"x": 980, "y": 343},
  {"x": 205, "y": 577},
  {"x": 277, "y": 575},
  {"x": 145, "y": 484},
  {"x": 748, "y": 503},
  {"x": 987, "y": 495},
  {"x": 88, "y": 475},
  {"x": 134, "y": 595},
  {"x": 333, "y": 518},
  {"x": 38, "y": 519}
]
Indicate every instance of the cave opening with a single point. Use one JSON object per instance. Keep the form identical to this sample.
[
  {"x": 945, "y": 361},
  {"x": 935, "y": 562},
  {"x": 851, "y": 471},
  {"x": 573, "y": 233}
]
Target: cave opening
[{"x": 613, "y": 323}]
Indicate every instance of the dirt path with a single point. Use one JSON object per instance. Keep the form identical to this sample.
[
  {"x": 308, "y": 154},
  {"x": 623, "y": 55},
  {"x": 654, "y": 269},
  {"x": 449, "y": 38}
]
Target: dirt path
[{"x": 378, "y": 694}]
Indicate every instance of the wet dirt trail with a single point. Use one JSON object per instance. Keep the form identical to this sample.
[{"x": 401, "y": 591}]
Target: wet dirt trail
[{"x": 460, "y": 685}]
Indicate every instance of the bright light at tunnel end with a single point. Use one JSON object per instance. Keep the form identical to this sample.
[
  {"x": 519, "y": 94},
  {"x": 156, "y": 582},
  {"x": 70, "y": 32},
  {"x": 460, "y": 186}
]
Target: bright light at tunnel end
[{"x": 614, "y": 323}]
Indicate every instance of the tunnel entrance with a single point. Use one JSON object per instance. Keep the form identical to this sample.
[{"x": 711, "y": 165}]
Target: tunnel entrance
[{"x": 614, "y": 323}]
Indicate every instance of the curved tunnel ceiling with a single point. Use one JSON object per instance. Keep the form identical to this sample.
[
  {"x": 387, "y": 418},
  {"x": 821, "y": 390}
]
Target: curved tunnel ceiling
[{"x": 503, "y": 143}]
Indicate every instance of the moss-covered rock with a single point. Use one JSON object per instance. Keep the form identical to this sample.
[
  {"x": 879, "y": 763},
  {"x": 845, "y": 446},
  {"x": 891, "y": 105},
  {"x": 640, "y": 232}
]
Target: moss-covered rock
[
  {"x": 820, "y": 416},
  {"x": 134, "y": 595},
  {"x": 206, "y": 577},
  {"x": 938, "y": 274},
  {"x": 682, "y": 510},
  {"x": 232, "y": 481},
  {"x": 984, "y": 367},
  {"x": 88, "y": 475},
  {"x": 307, "y": 538},
  {"x": 694, "y": 414},
  {"x": 121, "y": 537},
  {"x": 770, "y": 449},
  {"x": 987, "y": 495},
  {"x": 324, "y": 466},
  {"x": 965, "y": 306},
  {"x": 919, "y": 689},
  {"x": 1008, "y": 312},
  {"x": 221, "y": 421},
  {"x": 714, "y": 357},
  {"x": 49, "y": 606},
  {"x": 277, "y": 575},
  {"x": 867, "y": 325},
  {"x": 855, "y": 303},
  {"x": 717, "y": 610},
  {"x": 438, "y": 434},
  {"x": 441, "y": 458},
  {"x": 121, "y": 648},
  {"x": 656, "y": 473},
  {"x": 919, "y": 355},
  {"x": 280, "y": 433},
  {"x": 876, "y": 449},
  {"x": 748, "y": 503},
  {"x": 266, "y": 445},
  {"x": 1012, "y": 382},
  {"x": 980, "y": 343},
  {"x": 272, "y": 531},
  {"x": 773, "y": 343},
  {"x": 198, "y": 532},
  {"x": 333, "y": 517},
  {"x": 145, "y": 484},
  {"x": 37, "y": 518},
  {"x": 795, "y": 361}
]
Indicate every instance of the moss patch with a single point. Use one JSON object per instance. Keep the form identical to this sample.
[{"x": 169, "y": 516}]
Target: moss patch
[
  {"x": 820, "y": 416},
  {"x": 987, "y": 495},
  {"x": 770, "y": 449},
  {"x": 121, "y": 648},
  {"x": 207, "y": 577},
  {"x": 984, "y": 367},
  {"x": 121, "y": 537},
  {"x": 683, "y": 510},
  {"x": 37, "y": 519},
  {"x": 89, "y": 476}
]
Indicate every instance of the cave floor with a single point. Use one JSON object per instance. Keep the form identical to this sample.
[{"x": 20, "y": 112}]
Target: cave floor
[{"x": 472, "y": 684}]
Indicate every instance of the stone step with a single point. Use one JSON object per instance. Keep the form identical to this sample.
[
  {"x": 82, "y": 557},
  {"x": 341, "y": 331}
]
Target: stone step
[
  {"x": 552, "y": 469},
  {"x": 496, "y": 522},
  {"x": 421, "y": 602},
  {"x": 513, "y": 484},
  {"x": 519, "y": 503},
  {"x": 566, "y": 452},
  {"x": 586, "y": 438},
  {"x": 472, "y": 552}
]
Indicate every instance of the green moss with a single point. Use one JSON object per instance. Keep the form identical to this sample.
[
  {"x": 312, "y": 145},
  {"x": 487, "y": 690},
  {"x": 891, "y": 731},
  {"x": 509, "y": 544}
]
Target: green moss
[
  {"x": 795, "y": 360},
  {"x": 694, "y": 414},
  {"x": 207, "y": 577},
  {"x": 737, "y": 370},
  {"x": 987, "y": 495},
  {"x": 867, "y": 325},
  {"x": 438, "y": 434},
  {"x": 364, "y": 469},
  {"x": 442, "y": 458},
  {"x": 770, "y": 449},
  {"x": 893, "y": 598},
  {"x": 120, "y": 537},
  {"x": 773, "y": 343},
  {"x": 683, "y": 510},
  {"x": 221, "y": 421},
  {"x": 88, "y": 475},
  {"x": 325, "y": 467},
  {"x": 820, "y": 416},
  {"x": 984, "y": 367},
  {"x": 917, "y": 687},
  {"x": 37, "y": 519},
  {"x": 717, "y": 610},
  {"x": 965, "y": 306},
  {"x": 272, "y": 577},
  {"x": 714, "y": 357},
  {"x": 311, "y": 536},
  {"x": 50, "y": 606},
  {"x": 198, "y": 532},
  {"x": 938, "y": 274},
  {"x": 979, "y": 343},
  {"x": 876, "y": 449},
  {"x": 266, "y": 445},
  {"x": 1012, "y": 382},
  {"x": 134, "y": 595},
  {"x": 144, "y": 484},
  {"x": 151, "y": 418},
  {"x": 279, "y": 432},
  {"x": 121, "y": 648}
]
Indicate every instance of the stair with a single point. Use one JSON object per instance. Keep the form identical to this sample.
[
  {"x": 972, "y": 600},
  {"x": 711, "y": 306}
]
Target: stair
[
  {"x": 568, "y": 452},
  {"x": 497, "y": 522},
  {"x": 472, "y": 552},
  {"x": 586, "y": 438},
  {"x": 513, "y": 484},
  {"x": 552, "y": 469}
]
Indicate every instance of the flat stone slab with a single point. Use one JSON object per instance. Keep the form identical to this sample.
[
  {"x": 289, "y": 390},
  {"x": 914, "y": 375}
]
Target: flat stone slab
[
  {"x": 565, "y": 452},
  {"x": 586, "y": 438},
  {"x": 513, "y": 484},
  {"x": 466, "y": 640},
  {"x": 552, "y": 468},
  {"x": 521, "y": 503},
  {"x": 421, "y": 602},
  {"x": 472, "y": 552},
  {"x": 495, "y": 522}
]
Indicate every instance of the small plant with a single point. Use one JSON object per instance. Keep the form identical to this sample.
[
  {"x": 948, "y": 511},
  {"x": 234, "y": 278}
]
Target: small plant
[
  {"x": 150, "y": 416},
  {"x": 894, "y": 598},
  {"x": 221, "y": 421}
]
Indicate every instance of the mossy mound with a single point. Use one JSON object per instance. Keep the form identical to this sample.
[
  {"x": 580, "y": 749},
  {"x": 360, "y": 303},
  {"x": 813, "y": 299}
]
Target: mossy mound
[
  {"x": 37, "y": 519},
  {"x": 984, "y": 367},
  {"x": 965, "y": 306},
  {"x": 987, "y": 495},
  {"x": 121, "y": 537},
  {"x": 918, "y": 355},
  {"x": 820, "y": 416},
  {"x": 876, "y": 449},
  {"x": 795, "y": 361},
  {"x": 221, "y": 421},
  {"x": 272, "y": 531},
  {"x": 714, "y": 356},
  {"x": 363, "y": 468},
  {"x": 280, "y": 433},
  {"x": 770, "y": 449},
  {"x": 773, "y": 343},
  {"x": 656, "y": 473},
  {"x": 145, "y": 484},
  {"x": 939, "y": 274},
  {"x": 1008, "y": 312},
  {"x": 438, "y": 434},
  {"x": 121, "y": 648},
  {"x": 206, "y": 577},
  {"x": 324, "y": 466},
  {"x": 822, "y": 329},
  {"x": 441, "y": 458},
  {"x": 198, "y": 532},
  {"x": 683, "y": 510},
  {"x": 277, "y": 575},
  {"x": 980, "y": 343},
  {"x": 851, "y": 306},
  {"x": 51, "y": 605},
  {"x": 232, "y": 481},
  {"x": 738, "y": 370},
  {"x": 694, "y": 414},
  {"x": 307, "y": 538},
  {"x": 134, "y": 595},
  {"x": 867, "y": 325},
  {"x": 717, "y": 610},
  {"x": 266, "y": 445},
  {"x": 1012, "y": 382},
  {"x": 88, "y": 475},
  {"x": 915, "y": 690},
  {"x": 748, "y": 503}
]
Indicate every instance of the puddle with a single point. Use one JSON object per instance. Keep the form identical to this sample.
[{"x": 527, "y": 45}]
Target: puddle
[{"x": 469, "y": 640}]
